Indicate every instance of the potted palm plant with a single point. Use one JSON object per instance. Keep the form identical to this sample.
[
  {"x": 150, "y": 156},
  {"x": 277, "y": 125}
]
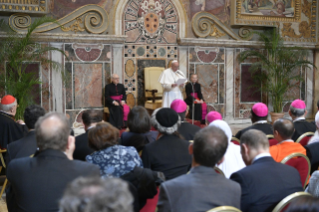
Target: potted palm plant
[
  {"x": 17, "y": 50},
  {"x": 276, "y": 70}
]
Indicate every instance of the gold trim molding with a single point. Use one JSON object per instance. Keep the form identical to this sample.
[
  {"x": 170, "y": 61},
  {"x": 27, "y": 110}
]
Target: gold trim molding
[
  {"x": 205, "y": 25},
  {"x": 237, "y": 18},
  {"x": 93, "y": 17}
]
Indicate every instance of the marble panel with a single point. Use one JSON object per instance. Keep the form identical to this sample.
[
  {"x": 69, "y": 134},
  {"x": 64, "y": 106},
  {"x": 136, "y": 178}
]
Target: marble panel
[
  {"x": 220, "y": 56},
  {"x": 129, "y": 68},
  {"x": 192, "y": 56},
  {"x": 141, "y": 64},
  {"x": 106, "y": 54},
  {"x": 69, "y": 51},
  {"x": 130, "y": 99},
  {"x": 36, "y": 92},
  {"x": 170, "y": 37},
  {"x": 68, "y": 86},
  {"x": 107, "y": 73},
  {"x": 45, "y": 87},
  {"x": 88, "y": 85},
  {"x": 88, "y": 56},
  {"x": 132, "y": 35},
  {"x": 221, "y": 93},
  {"x": 248, "y": 91},
  {"x": 208, "y": 78}
]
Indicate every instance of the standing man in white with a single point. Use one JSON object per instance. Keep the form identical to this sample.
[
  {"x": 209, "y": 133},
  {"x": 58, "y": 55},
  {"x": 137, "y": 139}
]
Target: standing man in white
[{"x": 173, "y": 81}]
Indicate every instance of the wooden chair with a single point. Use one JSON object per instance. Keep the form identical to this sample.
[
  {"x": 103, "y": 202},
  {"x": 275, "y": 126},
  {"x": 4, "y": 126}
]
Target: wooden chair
[
  {"x": 224, "y": 209},
  {"x": 272, "y": 140},
  {"x": 235, "y": 140},
  {"x": 304, "y": 138},
  {"x": 301, "y": 163},
  {"x": 153, "y": 89},
  {"x": 283, "y": 204},
  {"x": 219, "y": 171},
  {"x": 3, "y": 165}
]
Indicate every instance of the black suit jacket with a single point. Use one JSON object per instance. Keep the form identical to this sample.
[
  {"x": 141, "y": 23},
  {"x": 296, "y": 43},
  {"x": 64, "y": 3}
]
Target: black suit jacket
[
  {"x": 38, "y": 183},
  {"x": 82, "y": 148},
  {"x": 301, "y": 127},
  {"x": 169, "y": 154},
  {"x": 24, "y": 147},
  {"x": 188, "y": 130},
  {"x": 188, "y": 90},
  {"x": 265, "y": 183},
  {"x": 114, "y": 90},
  {"x": 265, "y": 128}
]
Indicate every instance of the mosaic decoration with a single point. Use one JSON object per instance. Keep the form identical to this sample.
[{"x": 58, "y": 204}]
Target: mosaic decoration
[
  {"x": 129, "y": 85},
  {"x": 244, "y": 113},
  {"x": 206, "y": 55},
  {"x": 248, "y": 93},
  {"x": 130, "y": 99},
  {"x": 151, "y": 22},
  {"x": 129, "y": 68},
  {"x": 25, "y": 6}
]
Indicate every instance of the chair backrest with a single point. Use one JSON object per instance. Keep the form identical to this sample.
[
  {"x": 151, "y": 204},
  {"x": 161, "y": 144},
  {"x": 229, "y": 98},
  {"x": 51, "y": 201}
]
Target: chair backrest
[
  {"x": 235, "y": 140},
  {"x": 224, "y": 209},
  {"x": 304, "y": 138},
  {"x": 272, "y": 141},
  {"x": 283, "y": 204},
  {"x": 3, "y": 164},
  {"x": 219, "y": 171},
  {"x": 301, "y": 163},
  {"x": 151, "y": 76}
]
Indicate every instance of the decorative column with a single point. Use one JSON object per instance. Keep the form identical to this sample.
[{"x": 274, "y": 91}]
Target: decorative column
[
  {"x": 182, "y": 60},
  {"x": 315, "y": 75},
  {"x": 118, "y": 60},
  {"x": 57, "y": 82},
  {"x": 229, "y": 84}
]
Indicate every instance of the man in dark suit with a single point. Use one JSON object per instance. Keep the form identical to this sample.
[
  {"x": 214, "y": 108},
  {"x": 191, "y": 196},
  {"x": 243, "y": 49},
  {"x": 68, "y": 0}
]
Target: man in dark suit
[
  {"x": 89, "y": 118},
  {"x": 263, "y": 182},
  {"x": 168, "y": 154},
  {"x": 10, "y": 130},
  {"x": 202, "y": 189},
  {"x": 298, "y": 112},
  {"x": 27, "y": 145},
  {"x": 259, "y": 114},
  {"x": 38, "y": 183},
  {"x": 115, "y": 98},
  {"x": 186, "y": 129}
]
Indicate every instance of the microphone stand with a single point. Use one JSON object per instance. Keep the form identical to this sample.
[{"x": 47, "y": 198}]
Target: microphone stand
[{"x": 193, "y": 105}]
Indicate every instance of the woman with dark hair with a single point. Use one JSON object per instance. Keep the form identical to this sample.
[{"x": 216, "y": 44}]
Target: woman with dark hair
[
  {"x": 138, "y": 123},
  {"x": 304, "y": 204},
  {"x": 113, "y": 159}
]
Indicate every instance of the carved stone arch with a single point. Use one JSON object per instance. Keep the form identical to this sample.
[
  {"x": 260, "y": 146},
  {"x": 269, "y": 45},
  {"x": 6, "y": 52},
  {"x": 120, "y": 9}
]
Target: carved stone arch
[{"x": 119, "y": 10}]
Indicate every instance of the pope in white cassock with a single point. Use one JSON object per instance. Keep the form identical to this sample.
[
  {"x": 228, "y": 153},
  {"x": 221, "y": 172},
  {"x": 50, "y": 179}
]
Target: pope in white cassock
[{"x": 169, "y": 80}]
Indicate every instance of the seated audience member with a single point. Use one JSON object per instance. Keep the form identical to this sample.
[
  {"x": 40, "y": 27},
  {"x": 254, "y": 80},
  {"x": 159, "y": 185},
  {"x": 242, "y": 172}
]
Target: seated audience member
[
  {"x": 168, "y": 154},
  {"x": 186, "y": 130},
  {"x": 38, "y": 183},
  {"x": 90, "y": 118},
  {"x": 315, "y": 137},
  {"x": 27, "y": 145},
  {"x": 10, "y": 130},
  {"x": 212, "y": 116},
  {"x": 264, "y": 182},
  {"x": 298, "y": 111},
  {"x": 283, "y": 130},
  {"x": 232, "y": 158},
  {"x": 138, "y": 123},
  {"x": 304, "y": 204},
  {"x": 313, "y": 187},
  {"x": 114, "y": 160},
  {"x": 259, "y": 113},
  {"x": 96, "y": 194},
  {"x": 137, "y": 141},
  {"x": 312, "y": 151},
  {"x": 202, "y": 189}
]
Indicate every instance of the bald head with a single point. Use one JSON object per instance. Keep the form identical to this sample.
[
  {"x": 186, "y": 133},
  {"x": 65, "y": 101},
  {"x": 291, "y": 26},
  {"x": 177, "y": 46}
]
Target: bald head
[
  {"x": 284, "y": 128},
  {"x": 255, "y": 139},
  {"x": 115, "y": 79},
  {"x": 52, "y": 132}
]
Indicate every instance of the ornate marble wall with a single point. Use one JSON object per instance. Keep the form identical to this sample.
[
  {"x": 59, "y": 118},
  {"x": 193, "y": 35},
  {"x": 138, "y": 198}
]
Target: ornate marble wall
[{"x": 101, "y": 37}]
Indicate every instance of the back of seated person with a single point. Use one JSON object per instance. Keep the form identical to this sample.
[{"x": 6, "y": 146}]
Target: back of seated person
[
  {"x": 304, "y": 204},
  {"x": 168, "y": 154},
  {"x": 137, "y": 141},
  {"x": 138, "y": 123},
  {"x": 283, "y": 131},
  {"x": 89, "y": 118},
  {"x": 27, "y": 145}
]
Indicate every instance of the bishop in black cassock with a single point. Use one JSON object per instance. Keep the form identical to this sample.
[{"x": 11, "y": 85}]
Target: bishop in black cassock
[
  {"x": 194, "y": 93},
  {"x": 115, "y": 97}
]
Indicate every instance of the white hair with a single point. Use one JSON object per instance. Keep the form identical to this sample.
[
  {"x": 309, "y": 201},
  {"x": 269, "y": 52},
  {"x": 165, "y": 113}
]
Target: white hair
[
  {"x": 162, "y": 129},
  {"x": 8, "y": 107}
]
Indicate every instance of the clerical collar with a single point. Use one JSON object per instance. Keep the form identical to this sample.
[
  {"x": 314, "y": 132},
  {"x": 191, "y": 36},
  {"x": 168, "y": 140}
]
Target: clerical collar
[
  {"x": 6, "y": 114},
  {"x": 299, "y": 119},
  {"x": 261, "y": 122}
]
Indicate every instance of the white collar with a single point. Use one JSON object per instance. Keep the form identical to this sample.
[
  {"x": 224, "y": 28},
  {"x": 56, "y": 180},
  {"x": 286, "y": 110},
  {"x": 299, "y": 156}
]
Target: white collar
[
  {"x": 260, "y": 122},
  {"x": 288, "y": 140},
  {"x": 299, "y": 118},
  {"x": 261, "y": 155}
]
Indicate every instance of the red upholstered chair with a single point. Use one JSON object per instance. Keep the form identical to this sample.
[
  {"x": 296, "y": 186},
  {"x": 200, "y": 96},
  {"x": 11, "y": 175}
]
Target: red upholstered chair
[
  {"x": 272, "y": 140},
  {"x": 301, "y": 163},
  {"x": 151, "y": 204},
  {"x": 219, "y": 171},
  {"x": 235, "y": 140},
  {"x": 304, "y": 138},
  {"x": 284, "y": 204}
]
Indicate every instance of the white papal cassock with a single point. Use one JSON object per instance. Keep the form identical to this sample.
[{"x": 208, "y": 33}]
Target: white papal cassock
[{"x": 168, "y": 78}]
